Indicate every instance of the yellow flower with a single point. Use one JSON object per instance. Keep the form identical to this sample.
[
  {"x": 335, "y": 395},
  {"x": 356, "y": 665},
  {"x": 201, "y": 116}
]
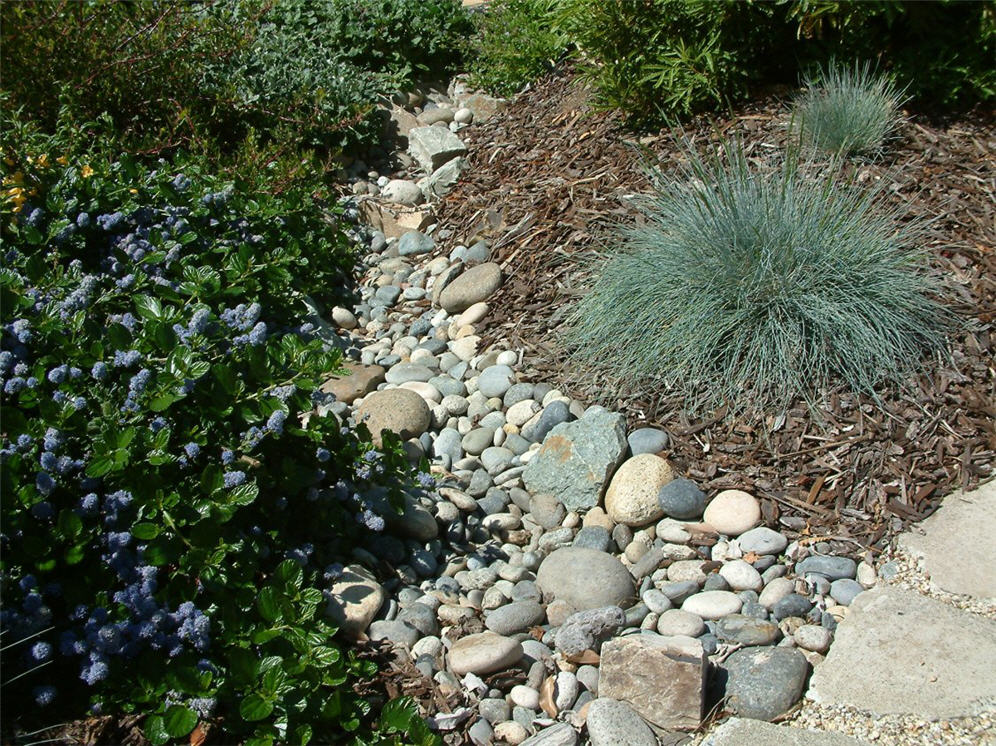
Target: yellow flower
[
  {"x": 62, "y": 160},
  {"x": 86, "y": 172},
  {"x": 43, "y": 160},
  {"x": 15, "y": 178},
  {"x": 133, "y": 191}
]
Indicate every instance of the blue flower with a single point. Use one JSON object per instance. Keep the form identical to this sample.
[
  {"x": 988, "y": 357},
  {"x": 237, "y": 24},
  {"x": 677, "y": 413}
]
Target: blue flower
[
  {"x": 83, "y": 219},
  {"x": 58, "y": 374},
  {"x": 44, "y": 695},
  {"x": 192, "y": 450},
  {"x": 13, "y": 385},
  {"x": 89, "y": 503},
  {"x": 21, "y": 328},
  {"x": 94, "y": 673},
  {"x": 323, "y": 454},
  {"x": 53, "y": 439},
  {"x": 99, "y": 371},
  {"x": 41, "y": 651},
  {"x": 275, "y": 423},
  {"x": 227, "y": 457},
  {"x": 139, "y": 381},
  {"x": 371, "y": 520},
  {"x": 126, "y": 358},
  {"x": 258, "y": 334},
  {"x": 426, "y": 481},
  {"x": 234, "y": 478},
  {"x": 110, "y": 222},
  {"x": 44, "y": 483}
]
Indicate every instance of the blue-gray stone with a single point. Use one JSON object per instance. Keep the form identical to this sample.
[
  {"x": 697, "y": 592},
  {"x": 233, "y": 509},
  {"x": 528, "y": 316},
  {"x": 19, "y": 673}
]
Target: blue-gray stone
[
  {"x": 762, "y": 540},
  {"x": 829, "y": 566},
  {"x": 415, "y": 242},
  {"x": 593, "y": 537},
  {"x": 477, "y": 254},
  {"x": 477, "y": 440},
  {"x": 435, "y": 346},
  {"x": 388, "y": 360},
  {"x": 494, "y": 501},
  {"x": 481, "y": 733},
  {"x": 792, "y": 605},
  {"x": 423, "y": 563},
  {"x": 480, "y": 482},
  {"x": 516, "y": 393},
  {"x": 755, "y": 610},
  {"x": 747, "y": 630},
  {"x": 844, "y": 590},
  {"x": 448, "y": 444},
  {"x": 448, "y": 386},
  {"x": 715, "y": 582},
  {"x": 710, "y": 643},
  {"x": 679, "y": 590},
  {"x": 764, "y": 682},
  {"x": 494, "y": 710},
  {"x": 582, "y": 630},
  {"x": 495, "y": 380},
  {"x": 421, "y": 617},
  {"x": 397, "y": 631},
  {"x": 496, "y": 459},
  {"x": 387, "y": 295},
  {"x": 526, "y": 590},
  {"x": 577, "y": 459},
  {"x": 420, "y": 327},
  {"x": 681, "y": 499},
  {"x": 555, "y": 413},
  {"x": 647, "y": 440},
  {"x": 516, "y": 444}
]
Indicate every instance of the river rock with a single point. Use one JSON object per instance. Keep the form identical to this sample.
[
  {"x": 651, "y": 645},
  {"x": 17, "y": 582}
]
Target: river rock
[
  {"x": 355, "y": 598},
  {"x": 358, "y": 380},
  {"x": 829, "y": 566},
  {"x": 732, "y": 512},
  {"x": 681, "y": 499},
  {"x": 631, "y": 497},
  {"x": 517, "y": 616},
  {"x": 398, "y": 410},
  {"x": 482, "y": 653},
  {"x": 764, "y": 682},
  {"x": 647, "y": 440},
  {"x": 402, "y": 192},
  {"x": 713, "y": 604},
  {"x": 472, "y": 286},
  {"x": 577, "y": 459},
  {"x": 747, "y": 630},
  {"x": 762, "y": 540},
  {"x": 585, "y": 578},
  {"x": 614, "y": 723}
]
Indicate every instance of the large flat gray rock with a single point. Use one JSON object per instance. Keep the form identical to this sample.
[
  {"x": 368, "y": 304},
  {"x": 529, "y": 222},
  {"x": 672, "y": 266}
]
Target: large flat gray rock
[
  {"x": 434, "y": 146},
  {"x": 741, "y": 731},
  {"x": 957, "y": 543},
  {"x": 899, "y": 652}
]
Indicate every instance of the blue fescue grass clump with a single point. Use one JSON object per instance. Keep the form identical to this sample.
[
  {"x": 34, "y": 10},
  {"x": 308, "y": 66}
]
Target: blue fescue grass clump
[
  {"x": 848, "y": 109},
  {"x": 756, "y": 287}
]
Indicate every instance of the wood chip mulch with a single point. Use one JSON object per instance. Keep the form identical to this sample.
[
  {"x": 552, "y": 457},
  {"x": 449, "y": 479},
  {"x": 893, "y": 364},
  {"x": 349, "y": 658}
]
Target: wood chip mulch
[{"x": 547, "y": 178}]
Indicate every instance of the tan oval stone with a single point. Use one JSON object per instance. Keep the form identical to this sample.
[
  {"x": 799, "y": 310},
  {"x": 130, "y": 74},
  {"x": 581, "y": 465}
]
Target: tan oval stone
[
  {"x": 356, "y": 597},
  {"x": 732, "y": 512},
  {"x": 483, "y": 653},
  {"x": 358, "y": 380},
  {"x": 399, "y": 410},
  {"x": 631, "y": 497}
]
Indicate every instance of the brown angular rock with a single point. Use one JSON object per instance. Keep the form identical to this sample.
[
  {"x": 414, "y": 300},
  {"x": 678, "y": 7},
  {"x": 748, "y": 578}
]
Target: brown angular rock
[
  {"x": 358, "y": 380},
  {"x": 662, "y": 678},
  {"x": 393, "y": 220}
]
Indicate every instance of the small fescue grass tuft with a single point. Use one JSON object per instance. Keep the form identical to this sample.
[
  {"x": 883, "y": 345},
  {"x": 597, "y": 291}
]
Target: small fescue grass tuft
[
  {"x": 756, "y": 288},
  {"x": 847, "y": 109}
]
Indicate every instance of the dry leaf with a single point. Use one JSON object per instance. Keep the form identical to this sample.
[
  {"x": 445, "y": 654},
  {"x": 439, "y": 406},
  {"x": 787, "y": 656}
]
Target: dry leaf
[
  {"x": 199, "y": 734},
  {"x": 546, "y": 696}
]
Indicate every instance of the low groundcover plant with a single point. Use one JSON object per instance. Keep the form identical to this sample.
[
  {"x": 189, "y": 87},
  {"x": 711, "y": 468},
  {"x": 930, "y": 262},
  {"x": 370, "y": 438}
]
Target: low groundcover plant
[
  {"x": 171, "y": 524},
  {"x": 755, "y": 287}
]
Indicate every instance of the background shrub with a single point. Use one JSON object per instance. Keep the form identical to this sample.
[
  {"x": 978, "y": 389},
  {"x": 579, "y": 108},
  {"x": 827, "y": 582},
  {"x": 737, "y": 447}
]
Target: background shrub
[
  {"x": 758, "y": 287},
  {"x": 847, "y": 109},
  {"x": 169, "y": 520},
  {"x": 517, "y": 41}
]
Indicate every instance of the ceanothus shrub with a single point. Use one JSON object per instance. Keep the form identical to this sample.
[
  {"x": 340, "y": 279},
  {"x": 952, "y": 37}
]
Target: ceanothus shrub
[{"x": 170, "y": 520}]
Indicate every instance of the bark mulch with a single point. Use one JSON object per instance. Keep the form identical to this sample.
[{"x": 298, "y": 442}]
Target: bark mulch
[{"x": 547, "y": 178}]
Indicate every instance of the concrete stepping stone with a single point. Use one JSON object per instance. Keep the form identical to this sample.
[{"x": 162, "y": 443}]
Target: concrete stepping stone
[
  {"x": 740, "y": 731},
  {"x": 914, "y": 654},
  {"x": 957, "y": 545}
]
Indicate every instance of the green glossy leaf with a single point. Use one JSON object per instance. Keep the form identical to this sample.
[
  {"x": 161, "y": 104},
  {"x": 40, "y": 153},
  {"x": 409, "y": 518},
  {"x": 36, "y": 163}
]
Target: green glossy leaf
[
  {"x": 145, "y": 531},
  {"x": 289, "y": 574},
  {"x": 254, "y": 707},
  {"x": 268, "y": 604},
  {"x": 148, "y": 307},
  {"x": 179, "y": 721},
  {"x": 155, "y": 730}
]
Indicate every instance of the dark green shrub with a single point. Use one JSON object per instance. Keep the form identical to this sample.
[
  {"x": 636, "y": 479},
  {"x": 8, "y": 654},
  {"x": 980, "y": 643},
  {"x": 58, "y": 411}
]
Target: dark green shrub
[
  {"x": 169, "y": 520},
  {"x": 756, "y": 288},
  {"x": 659, "y": 59},
  {"x": 517, "y": 42},
  {"x": 941, "y": 51},
  {"x": 847, "y": 109}
]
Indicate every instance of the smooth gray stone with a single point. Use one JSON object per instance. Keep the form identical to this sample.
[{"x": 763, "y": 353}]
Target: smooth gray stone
[
  {"x": 448, "y": 386},
  {"x": 516, "y": 393},
  {"x": 555, "y": 413},
  {"x": 397, "y": 631},
  {"x": 792, "y": 605},
  {"x": 405, "y": 372},
  {"x": 681, "y": 499},
  {"x": 421, "y": 617},
  {"x": 715, "y": 582},
  {"x": 516, "y": 444},
  {"x": 593, "y": 537},
  {"x": 419, "y": 327},
  {"x": 494, "y": 501},
  {"x": 844, "y": 590},
  {"x": 435, "y": 346},
  {"x": 747, "y": 630},
  {"x": 525, "y": 590},
  {"x": 754, "y": 609},
  {"x": 547, "y": 511},
  {"x": 448, "y": 443},
  {"x": 414, "y": 242},
  {"x": 586, "y": 578},
  {"x": 679, "y": 590},
  {"x": 477, "y": 440},
  {"x": 764, "y": 682},
  {"x": 829, "y": 566},
  {"x": 387, "y": 295},
  {"x": 517, "y": 616},
  {"x": 647, "y": 440},
  {"x": 481, "y": 733},
  {"x": 762, "y": 540},
  {"x": 494, "y": 710},
  {"x": 559, "y": 734},
  {"x": 495, "y": 381},
  {"x": 423, "y": 563},
  {"x": 614, "y": 723},
  {"x": 477, "y": 254}
]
